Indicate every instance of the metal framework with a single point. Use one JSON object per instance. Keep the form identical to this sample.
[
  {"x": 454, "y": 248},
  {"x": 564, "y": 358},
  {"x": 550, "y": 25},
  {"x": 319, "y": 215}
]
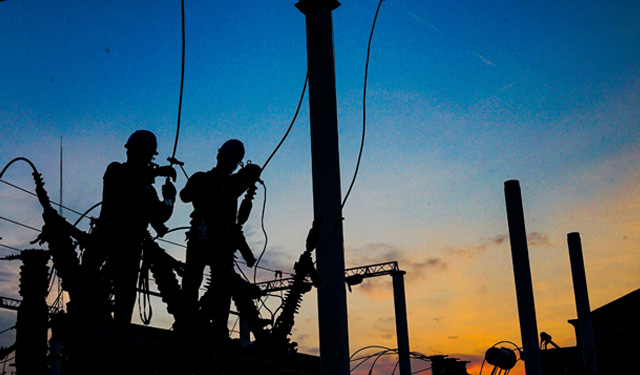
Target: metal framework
[
  {"x": 352, "y": 276},
  {"x": 9, "y": 303}
]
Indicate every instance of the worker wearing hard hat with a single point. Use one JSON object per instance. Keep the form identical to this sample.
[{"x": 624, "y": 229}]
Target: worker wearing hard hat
[
  {"x": 215, "y": 234},
  {"x": 129, "y": 204}
]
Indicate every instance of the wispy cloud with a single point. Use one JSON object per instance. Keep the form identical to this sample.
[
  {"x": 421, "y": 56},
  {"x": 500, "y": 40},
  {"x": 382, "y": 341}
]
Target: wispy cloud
[
  {"x": 483, "y": 246},
  {"x": 422, "y": 21},
  {"x": 533, "y": 239},
  {"x": 482, "y": 58}
]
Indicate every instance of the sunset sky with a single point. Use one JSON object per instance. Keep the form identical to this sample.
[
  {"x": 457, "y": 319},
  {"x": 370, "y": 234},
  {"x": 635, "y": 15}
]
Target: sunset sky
[{"x": 461, "y": 97}]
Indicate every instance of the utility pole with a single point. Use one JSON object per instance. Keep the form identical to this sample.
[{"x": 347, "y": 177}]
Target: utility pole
[
  {"x": 522, "y": 275},
  {"x": 402, "y": 327},
  {"x": 332, "y": 298},
  {"x": 588, "y": 358}
]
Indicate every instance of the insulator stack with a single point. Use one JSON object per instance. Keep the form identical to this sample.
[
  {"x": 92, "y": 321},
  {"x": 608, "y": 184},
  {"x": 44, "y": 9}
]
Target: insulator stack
[
  {"x": 40, "y": 191},
  {"x": 284, "y": 324},
  {"x": 32, "y": 320},
  {"x": 165, "y": 278},
  {"x": 64, "y": 256},
  {"x": 246, "y": 205}
]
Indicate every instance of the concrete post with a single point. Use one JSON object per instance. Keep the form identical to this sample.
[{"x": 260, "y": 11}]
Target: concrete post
[
  {"x": 522, "y": 275},
  {"x": 588, "y": 360},
  {"x": 332, "y": 298},
  {"x": 402, "y": 327}
]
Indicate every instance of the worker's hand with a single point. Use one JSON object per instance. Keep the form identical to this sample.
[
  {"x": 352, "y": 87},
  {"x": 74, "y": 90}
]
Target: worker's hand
[
  {"x": 166, "y": 171},
  {"x": 253, "y": 171},
  {"x": 169, "y": 191}
]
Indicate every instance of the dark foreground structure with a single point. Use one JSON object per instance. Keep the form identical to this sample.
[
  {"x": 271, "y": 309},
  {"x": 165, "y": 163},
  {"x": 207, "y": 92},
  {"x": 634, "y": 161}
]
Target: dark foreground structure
[
  {"x": 86, "y": 339},
  {"x": 616, "y": 327}
]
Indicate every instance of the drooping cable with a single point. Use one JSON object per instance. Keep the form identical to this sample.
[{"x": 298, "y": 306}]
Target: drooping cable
[
  {"x": 295, "y": 116},
  {"x": 86, "y": 213},
  {"x": 33, "y": 167},
  {"x": 175, "y": 144},
  {"x": 364, "y": 108},
  {"x": 385, "y": 352},
  {"x": 264, "y": 231}
]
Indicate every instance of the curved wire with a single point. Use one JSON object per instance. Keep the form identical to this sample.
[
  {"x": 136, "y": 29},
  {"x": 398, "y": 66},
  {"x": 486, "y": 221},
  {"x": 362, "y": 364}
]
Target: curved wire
[
  {"x": 86, "y": 213},
  {"x": 169, "y": 231},
  {"x": 175, "y": 144},
  {"x": 367, "y": 347},
  {"x": 266, "y": 237},
  {"x": 364, "y": 108},
  {"x": 15, "y": 160},
  {"x": 286, "y": 134}
]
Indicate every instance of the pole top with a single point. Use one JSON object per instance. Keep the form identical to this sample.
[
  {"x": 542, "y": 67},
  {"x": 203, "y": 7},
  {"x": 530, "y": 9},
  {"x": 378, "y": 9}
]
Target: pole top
[
  {"x": 305, "y": 5},
  {"x": 513, "y": 183}
]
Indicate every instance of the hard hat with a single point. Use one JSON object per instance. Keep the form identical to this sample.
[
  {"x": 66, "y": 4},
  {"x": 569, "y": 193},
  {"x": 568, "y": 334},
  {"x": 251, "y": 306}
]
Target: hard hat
[
  {"x": 143, "y": 139},
  {"x": 234, "y": 148}
]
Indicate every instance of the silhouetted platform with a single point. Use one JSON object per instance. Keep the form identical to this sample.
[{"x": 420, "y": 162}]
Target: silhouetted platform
[{"x": 143, "y": 350}]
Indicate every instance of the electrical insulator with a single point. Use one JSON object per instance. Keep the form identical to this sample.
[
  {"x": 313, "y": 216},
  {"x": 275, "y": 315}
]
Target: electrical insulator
[
  {"x": 501, "y": 357},
  {"x": 246, "y": 205}
]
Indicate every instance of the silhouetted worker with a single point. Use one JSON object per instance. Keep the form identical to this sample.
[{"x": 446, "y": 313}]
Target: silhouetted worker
[
  {"x": 129, "y": 204},
  {"x": 215, "y": 235}
]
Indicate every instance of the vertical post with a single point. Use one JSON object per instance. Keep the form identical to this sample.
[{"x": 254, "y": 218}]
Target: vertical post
[
  {"x": 402, "y": 329},
  {"x": 588, "y": 360},
  {"x": 332, "y": 298},
  {"x": 522, "y": 275},
  {"x": 245, "y": 333},
  {"x": 32, "y": 322}
]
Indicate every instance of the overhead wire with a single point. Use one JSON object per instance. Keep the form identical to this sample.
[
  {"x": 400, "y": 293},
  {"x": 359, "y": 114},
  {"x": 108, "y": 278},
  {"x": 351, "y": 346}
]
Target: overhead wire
[
  {"x": 175, "y": 144},
  {"x": 10, "y": 247},
  {"x": 295, "y": 116},
  {"x": 384, "y": 352},
  {"x": 364, "y": 108},
  {"x": 35, "y": 195},
  {"x": 264, "y": 231},
  {"x": 8, "y": 329},
  {"x": 20, "y": 224}
]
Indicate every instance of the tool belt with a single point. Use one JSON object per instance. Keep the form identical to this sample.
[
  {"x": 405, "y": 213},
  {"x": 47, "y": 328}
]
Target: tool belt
[{"x": 229, "y": 237}]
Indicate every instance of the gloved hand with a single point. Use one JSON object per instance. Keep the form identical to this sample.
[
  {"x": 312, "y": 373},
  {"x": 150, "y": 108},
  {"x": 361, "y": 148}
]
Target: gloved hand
[
  {"x": 169, "y": 191},
  {"x": 166, "y": 171},
  {"x": 252, "y": 171}
]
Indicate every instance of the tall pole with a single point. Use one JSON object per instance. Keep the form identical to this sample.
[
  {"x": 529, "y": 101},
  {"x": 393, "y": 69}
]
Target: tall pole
[
  {"x": 522, "y": 275},
  {"x": 332, "y": 298},
  {"x": 588, "y": 360},
  {"x": 402, "y": 327}
]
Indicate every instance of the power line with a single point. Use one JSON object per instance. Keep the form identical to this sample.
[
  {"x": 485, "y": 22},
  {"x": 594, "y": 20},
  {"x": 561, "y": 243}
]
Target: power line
[
  {"x": 34, "y": 194},
  {"x": 20, "y": 224},
  {"x": 171, "y": 242},
  {"x": 10, "y": 247},
  {"x": 295, "y": 116},
  {"x": 175, "y": 144},
  {"x": 364, "y": 107}
]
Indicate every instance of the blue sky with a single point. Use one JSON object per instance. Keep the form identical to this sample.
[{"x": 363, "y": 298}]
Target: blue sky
[{"x": 462, "y": 96}]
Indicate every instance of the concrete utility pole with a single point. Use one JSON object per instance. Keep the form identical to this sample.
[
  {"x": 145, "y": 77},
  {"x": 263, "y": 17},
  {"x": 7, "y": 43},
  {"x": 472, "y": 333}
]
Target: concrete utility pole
[
  {"x": 522, "y": 275},
  {"x": 332, "y": 298},
  {"x": 588, "y": 359},
  {"x": 402, "y": 327}
]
